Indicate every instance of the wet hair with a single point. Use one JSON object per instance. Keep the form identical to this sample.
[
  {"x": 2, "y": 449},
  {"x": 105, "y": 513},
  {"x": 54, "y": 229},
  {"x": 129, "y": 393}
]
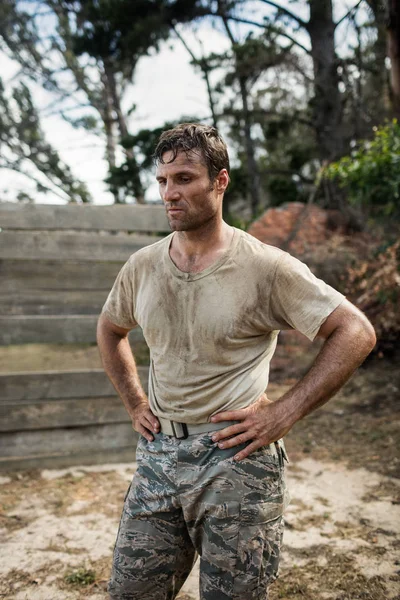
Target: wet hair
[{"x": 192, "y": 137}]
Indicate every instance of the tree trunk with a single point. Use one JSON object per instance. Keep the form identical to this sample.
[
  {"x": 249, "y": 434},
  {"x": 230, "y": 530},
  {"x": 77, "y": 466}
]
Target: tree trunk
[
  {"x": 123, "y": 129},
  {"x": 394, "y": 53},
  {"x": 205, "y": 69},
  {"x": 382, "y": 100},
  {"x": 108, "y": 120},
  {"x": 326, "y": 104},
  {"x": 252, "y": 168}
]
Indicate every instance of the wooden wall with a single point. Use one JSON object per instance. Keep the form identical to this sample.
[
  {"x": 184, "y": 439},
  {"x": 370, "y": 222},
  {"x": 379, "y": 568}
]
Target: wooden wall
[{"x": 57, "y": 265}]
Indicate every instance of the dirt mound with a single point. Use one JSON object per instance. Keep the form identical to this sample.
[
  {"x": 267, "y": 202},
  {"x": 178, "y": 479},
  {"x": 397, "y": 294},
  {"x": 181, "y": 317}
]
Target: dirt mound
[{"x": 297, "y": 227}]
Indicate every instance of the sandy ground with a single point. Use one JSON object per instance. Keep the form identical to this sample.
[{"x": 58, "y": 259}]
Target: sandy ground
[
  {"x": 341, "y": 540},
  {"x": 58, "y": 527}
]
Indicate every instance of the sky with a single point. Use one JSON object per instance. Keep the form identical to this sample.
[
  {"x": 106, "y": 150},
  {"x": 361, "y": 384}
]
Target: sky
[{"x": 165, "y": 87}]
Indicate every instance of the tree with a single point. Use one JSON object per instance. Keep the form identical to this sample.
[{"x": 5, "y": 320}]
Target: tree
[
  {"x": 394, "y": 51},
  {"x": 23, "y": 146},
  {"x": 204, "y": 63},
  {"x": 89, "y": 58},
  {"x": 371, "y": 173}
]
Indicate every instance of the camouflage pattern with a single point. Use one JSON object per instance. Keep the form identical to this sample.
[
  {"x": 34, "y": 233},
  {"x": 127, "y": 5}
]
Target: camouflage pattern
[{"x": 190, "y": 497}]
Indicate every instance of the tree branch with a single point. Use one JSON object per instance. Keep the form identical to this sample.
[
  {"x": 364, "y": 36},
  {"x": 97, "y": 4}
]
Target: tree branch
[
  {"x": 263, "y": 26},
  {"x": 183, "y": 41},
  {"x": 10, "y": 167},
  {"x": 349, "y": 13},
  {"x": 286, "y": 12},
  {"x": 204, "y": 68},
  {"x": 64, "y": 110},
  {"x": 289, "y": 37}
]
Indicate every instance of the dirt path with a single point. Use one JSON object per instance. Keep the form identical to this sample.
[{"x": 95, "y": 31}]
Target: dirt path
[{"x": 341, "y": 538}]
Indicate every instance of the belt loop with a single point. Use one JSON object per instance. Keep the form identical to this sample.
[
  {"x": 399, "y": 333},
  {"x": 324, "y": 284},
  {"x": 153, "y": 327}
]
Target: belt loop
[
  {"x": 278, "y": 454},
  {"x": 180, "y": 430}
]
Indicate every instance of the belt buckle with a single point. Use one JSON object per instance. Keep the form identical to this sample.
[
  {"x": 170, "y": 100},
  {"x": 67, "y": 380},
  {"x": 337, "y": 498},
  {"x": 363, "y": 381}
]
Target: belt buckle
[{"x": 180, "y": 430}]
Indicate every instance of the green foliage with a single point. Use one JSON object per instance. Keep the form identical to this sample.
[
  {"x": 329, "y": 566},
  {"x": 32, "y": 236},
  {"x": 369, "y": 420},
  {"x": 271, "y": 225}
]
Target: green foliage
[
  {"x": 238, "y": 185},
  {"x": 261, "y": 89},
  {"x": 91, "y": 47},
  {"x": 122, "y": 31},
  {"x": 371, "y": 173},
  {"x": 125, "y": 180},
  {"x": 88, "y": 122},
  {"x": 144, "y": 142},
  {"x": 80, "y": 578},
  {"x": 283, "y": 189}
]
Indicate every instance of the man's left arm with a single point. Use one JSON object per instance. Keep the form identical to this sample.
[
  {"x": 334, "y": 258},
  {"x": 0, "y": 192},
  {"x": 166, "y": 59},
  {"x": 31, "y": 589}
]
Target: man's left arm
[{"x": 349, "y": 338}]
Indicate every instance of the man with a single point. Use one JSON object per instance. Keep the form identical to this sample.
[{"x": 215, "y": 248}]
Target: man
[{"x": 211, "y": 300}]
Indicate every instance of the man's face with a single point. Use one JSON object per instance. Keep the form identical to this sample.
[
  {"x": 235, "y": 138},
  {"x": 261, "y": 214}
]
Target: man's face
[{"x": 190, "y": 198}]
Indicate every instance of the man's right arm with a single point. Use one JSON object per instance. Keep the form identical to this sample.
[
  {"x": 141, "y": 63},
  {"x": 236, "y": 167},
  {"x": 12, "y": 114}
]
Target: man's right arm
[{"x": 120, "y": 366}]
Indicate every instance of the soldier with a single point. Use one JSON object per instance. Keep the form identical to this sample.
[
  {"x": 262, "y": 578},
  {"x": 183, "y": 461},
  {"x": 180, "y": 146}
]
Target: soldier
[{"x": 211, "y": 300}]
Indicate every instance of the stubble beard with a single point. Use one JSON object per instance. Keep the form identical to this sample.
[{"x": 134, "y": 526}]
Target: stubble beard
[{"x": 191, "y": 223}]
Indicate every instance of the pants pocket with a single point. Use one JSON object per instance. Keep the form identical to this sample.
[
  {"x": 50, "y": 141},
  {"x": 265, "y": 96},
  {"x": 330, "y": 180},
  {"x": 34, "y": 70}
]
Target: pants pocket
[
  {"x": 264, "y": 499},
  {"x": 258, "y": 554}
]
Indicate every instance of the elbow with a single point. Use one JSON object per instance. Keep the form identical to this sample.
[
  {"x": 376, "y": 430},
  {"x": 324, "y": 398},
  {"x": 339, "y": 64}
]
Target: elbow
[
  {"x": 366, "y": 335},
  {"x": 371, "y": 337},
  {"x": 100, "y": 327},
  {"x": 107, "y": 329}
]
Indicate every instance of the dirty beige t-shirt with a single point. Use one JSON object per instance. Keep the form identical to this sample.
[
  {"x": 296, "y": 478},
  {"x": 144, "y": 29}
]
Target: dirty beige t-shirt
[{"x": 212, "y": 334}]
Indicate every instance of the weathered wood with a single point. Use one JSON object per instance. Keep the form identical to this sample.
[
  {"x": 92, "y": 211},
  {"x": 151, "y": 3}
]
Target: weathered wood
[
  {"x": 68, "y": 459},
  {"x": 59, "y": 302},
  {"x": 70, "y": 439},
  {"x": 67, "y": 329},
  {"x": 57, "y": 265},
  {"x": 73, "y": 216},
  {"x": 19, "y": 388},
  {"x": 62, "y": 413},
  {"x": 20, "y": 275},
  {"x": 58, "y": 245}
]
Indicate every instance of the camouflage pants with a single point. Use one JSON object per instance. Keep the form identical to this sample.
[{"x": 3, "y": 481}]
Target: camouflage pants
[{"x": 190, "y": 497}]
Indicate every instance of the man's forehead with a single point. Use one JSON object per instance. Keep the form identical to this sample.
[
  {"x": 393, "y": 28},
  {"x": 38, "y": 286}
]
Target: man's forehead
[{"x": 192, "y": 159}]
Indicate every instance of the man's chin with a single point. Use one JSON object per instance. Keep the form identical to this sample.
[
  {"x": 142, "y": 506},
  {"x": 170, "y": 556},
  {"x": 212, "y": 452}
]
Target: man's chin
[{"x": 176, "y": 225}]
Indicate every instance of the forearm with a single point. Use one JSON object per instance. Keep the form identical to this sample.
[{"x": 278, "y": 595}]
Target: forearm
[
  {"x": 344, "y": 350},
  {"x": 120, "y": 366}
]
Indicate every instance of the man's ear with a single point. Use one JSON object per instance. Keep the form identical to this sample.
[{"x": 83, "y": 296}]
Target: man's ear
[{"x": 222, "y": 181}]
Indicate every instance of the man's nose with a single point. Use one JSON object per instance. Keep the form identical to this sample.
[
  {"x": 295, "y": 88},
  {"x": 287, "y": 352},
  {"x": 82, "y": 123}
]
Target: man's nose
[{"x": 170, "y": 192}]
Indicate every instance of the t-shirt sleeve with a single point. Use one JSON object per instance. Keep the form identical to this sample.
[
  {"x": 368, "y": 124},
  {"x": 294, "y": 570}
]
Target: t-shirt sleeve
[
  {"x": 299, "y": 300},
  {"x": 119, "y": 306}
]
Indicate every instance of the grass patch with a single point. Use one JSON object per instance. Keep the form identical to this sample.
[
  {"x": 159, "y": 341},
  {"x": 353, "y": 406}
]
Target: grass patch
[
  {"x": 80, "y": 578},
  {"x": 338, "y": 577}
]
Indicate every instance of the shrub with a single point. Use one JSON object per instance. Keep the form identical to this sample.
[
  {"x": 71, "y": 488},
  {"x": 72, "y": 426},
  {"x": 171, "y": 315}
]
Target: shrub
[{"x": 371, "y": 174}]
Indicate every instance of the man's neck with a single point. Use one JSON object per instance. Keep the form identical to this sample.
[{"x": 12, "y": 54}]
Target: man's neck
[{"x": 213, "y": 237}]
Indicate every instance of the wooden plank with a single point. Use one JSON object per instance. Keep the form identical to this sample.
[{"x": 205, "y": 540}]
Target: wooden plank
[
  {"x": 70, "y": 439},
  {"x": 62, "y": 413},
  {"x": 68, "y": 459},
  {"x": 20, "y": 388},
  {"x": 58, "y": 245},
  {"x": 75, "y": 216},
  {"x": 67, "y": 329},
  {"x": 23, "y": 274},
  {"x": 50, "y": 302}
]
